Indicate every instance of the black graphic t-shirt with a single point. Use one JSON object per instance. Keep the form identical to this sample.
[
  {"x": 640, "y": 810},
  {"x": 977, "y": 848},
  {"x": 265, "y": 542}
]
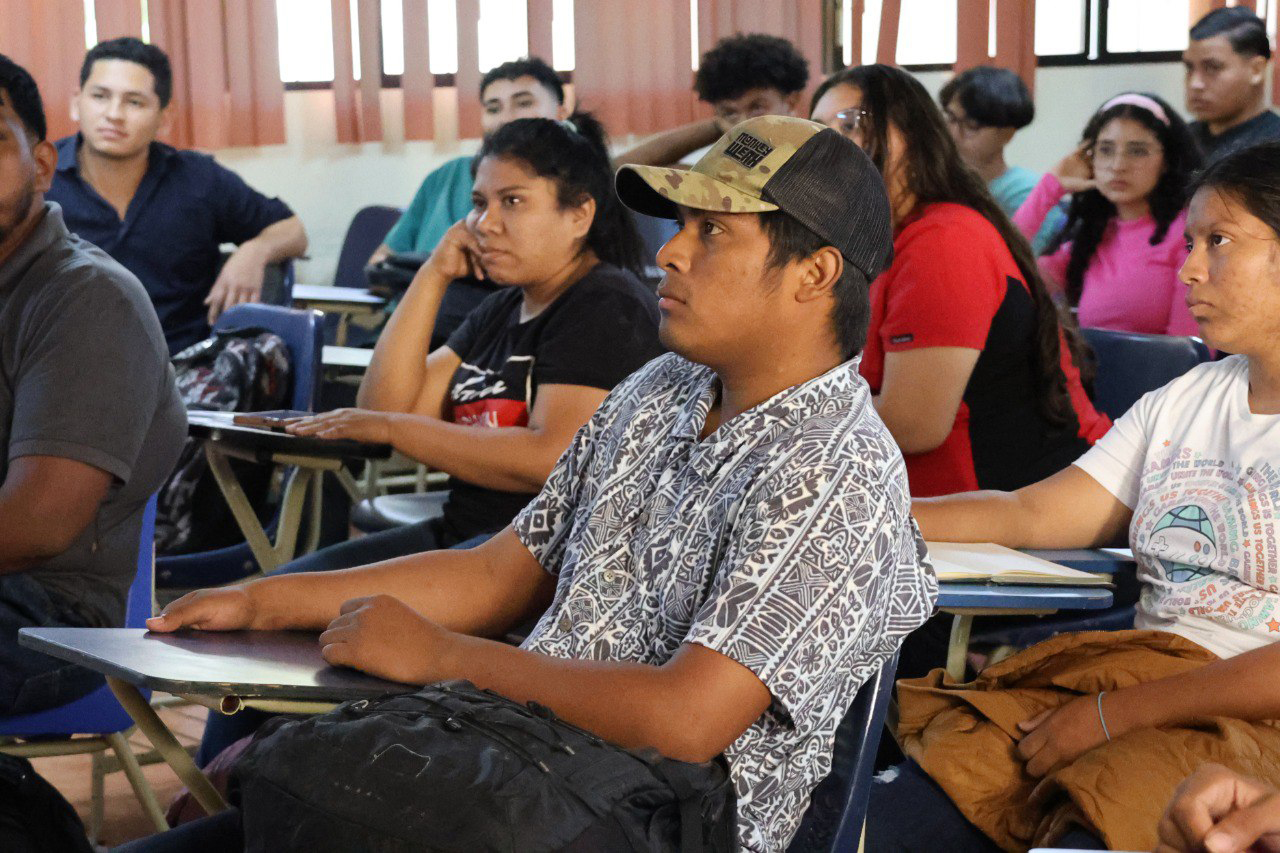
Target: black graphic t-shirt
[{"x": 598, "y": 332}]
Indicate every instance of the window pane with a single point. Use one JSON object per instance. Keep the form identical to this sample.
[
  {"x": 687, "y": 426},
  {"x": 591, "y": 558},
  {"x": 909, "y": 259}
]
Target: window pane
[
  {"x": 504, "y": 31},
  {"x": 392, "y": 37},
  {"x": 926, "y": 32},
  {"x": 306, "y": 42},
  {"x": 562, "y": 56},
  {"x": 442, "y": 36},
  {"x": 1145, "y": 25},
  {"x": 1060, "y": 27}
]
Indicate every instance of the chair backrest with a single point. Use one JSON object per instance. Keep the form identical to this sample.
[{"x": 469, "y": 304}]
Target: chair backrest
[
  {"x": 277, "y": 284},
  {"x": 142, "y": 593},
  {"x": 838, "y": 806},
  {"x": 301, "y": 331},
  {"x": 368, "y": 228},
  {"x": 1131, "y": 364},
  {"x": 654, "y": 233}
]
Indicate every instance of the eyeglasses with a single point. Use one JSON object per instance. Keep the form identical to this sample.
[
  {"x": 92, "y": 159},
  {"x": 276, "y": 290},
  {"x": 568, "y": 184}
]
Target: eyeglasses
[
  {"x": 850, "y": 121},
  {"x": 967, "y": 125},
  {"x": 1107, "y": 153}
]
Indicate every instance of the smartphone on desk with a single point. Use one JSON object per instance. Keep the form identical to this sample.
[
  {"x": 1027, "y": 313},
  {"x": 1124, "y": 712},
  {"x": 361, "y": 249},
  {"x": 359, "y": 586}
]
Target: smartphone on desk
[{"x": 274, "y": 420}]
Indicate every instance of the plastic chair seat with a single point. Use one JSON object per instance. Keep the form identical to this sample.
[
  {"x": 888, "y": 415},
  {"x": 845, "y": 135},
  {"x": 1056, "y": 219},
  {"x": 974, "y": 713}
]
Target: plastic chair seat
[{"x": 387, "y": 512}]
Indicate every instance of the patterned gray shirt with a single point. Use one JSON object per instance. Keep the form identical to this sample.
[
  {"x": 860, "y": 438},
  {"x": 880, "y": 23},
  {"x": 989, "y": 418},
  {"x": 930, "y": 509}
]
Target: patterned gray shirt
[{"x": 821, "y": 569}]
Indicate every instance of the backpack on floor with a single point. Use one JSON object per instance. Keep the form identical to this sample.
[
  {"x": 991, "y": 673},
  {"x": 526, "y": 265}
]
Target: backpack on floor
[
  {"x": 34, "y": 817},
  {"x": 234, "y": 370},
  {"x": 455, "y": 768}
]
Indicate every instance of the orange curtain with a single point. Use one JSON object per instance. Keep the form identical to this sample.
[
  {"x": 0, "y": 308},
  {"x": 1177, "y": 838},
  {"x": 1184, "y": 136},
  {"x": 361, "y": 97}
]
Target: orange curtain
[
  {"x": 1016, "y": 39},
  {"x": 641, "y": 83},
  {"x": 226, "y": 71},
  {"x": 418, "y": 83},
  {"x": 467, "y": 85},
  {"x": 357, "y": 107},
  {"x": 35, "y": 35},
  {"x": 854, "y": 35},
  {"x": 887, "y": 46},
  {"x": 1200, "y": 8},
  {"x": 540, "y": 13},
  {"x": 972, "y": 33},
  {"x": 118, "y": 18}
]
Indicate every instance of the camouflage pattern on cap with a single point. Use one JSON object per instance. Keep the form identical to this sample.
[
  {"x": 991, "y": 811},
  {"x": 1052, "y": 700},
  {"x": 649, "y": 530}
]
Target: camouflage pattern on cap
[{"x": 729, "y": 178}]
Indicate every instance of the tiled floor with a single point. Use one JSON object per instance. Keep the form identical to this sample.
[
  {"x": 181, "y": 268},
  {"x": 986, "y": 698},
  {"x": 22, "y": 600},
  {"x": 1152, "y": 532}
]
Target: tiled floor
[{"x": 123, "y": 818}]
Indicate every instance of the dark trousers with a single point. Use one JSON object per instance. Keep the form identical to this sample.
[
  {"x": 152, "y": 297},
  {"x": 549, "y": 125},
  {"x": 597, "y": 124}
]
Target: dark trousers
[
  {"x": 30, "y": 681},
  {"x": 908, "y": 812},
  {"x": 221, "y": 731},
  {"x": 220, "y": 833}
]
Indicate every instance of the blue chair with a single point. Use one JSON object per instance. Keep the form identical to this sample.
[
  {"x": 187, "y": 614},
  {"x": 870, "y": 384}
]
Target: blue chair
[
  {"x": 1131, "y": 364},
  {"x": 277, "y": 287},
  {"x": 833, "y": 822},
  {"x": 302, "y": 332},
  {"x": 368, "y": 228},
  {"x": 97, "y": 721}
]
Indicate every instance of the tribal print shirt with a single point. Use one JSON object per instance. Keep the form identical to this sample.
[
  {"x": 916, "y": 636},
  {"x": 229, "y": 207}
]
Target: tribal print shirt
[{"x": 783, "y": 541}]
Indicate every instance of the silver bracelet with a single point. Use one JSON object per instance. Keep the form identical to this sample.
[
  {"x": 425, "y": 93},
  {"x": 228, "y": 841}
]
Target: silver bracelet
[{"x": 1101, "y": 718}]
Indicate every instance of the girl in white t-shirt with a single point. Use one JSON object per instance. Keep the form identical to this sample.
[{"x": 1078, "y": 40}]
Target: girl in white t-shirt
[{"x": 1192, "y": 474}]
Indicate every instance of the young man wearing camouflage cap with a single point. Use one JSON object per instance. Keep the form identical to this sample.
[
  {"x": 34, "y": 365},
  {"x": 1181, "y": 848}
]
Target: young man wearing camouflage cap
[{"x": 727, "y": 547}]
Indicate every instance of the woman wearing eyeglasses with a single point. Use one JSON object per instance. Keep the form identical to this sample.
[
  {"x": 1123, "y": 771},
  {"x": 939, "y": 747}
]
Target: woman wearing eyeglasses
[
  {"x": 970, "y": 367},
  {"x": 1118, "y": 258}
]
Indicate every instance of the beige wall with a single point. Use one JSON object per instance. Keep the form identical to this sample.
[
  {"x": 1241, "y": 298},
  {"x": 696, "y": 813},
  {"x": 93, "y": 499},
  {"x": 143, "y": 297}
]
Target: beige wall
[{"x": 326, "y": 183}]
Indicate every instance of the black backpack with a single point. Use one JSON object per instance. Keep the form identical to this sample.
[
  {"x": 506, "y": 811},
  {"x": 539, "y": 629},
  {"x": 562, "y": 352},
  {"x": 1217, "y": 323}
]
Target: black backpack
[
  {"x": 455, "y": 768},
  {"x": 34, "y": 817}
]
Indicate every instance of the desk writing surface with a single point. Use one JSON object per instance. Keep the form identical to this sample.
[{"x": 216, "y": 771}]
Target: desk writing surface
[
  {"x": 270, "y": 664},
  {"x": 354, "y": 296},
  {"x": 357, "y": 358},
  {"x": 1015, "y": 597},
  {"x": 217, "y": 426}
]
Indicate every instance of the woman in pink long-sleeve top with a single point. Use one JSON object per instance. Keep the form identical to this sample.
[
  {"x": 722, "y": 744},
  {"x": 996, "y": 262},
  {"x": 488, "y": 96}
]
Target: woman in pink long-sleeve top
[{"x": 1122, "y": 247}]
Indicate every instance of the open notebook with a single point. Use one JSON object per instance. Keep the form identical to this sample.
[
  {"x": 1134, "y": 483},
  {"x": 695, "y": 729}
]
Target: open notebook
[{"x": 987, "y": 563}]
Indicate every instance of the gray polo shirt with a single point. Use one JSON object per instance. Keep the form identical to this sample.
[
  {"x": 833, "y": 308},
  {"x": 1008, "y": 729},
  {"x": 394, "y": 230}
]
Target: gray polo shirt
[{"x": 85, "y": 375}]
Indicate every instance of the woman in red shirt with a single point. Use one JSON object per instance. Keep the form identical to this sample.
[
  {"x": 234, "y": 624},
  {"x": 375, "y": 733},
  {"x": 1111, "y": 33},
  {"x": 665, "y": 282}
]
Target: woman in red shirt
[{"x": 972, "y": 371}]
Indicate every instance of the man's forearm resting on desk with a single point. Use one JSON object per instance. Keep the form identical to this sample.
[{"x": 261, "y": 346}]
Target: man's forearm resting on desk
[
  {"x": 45, "y": 503},
  {"x": 240, "y": 280}
]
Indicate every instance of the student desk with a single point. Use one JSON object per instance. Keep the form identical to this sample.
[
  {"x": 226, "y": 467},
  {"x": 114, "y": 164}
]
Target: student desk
[
  {"x": 346, "y": 359},
  {"x": 224, "y": 441},
  {"x": 275, "y": 671},
  {"x": 967, "y": 600},
  {"x": 345, "y": 302}
]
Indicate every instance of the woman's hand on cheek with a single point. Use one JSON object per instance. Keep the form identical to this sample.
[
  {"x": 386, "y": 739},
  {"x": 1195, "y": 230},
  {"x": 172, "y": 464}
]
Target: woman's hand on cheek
[
  {"x": 1058, "y": 736},
  {"x": 383, "y": 636},
  {"x": 457, "y": 255}
]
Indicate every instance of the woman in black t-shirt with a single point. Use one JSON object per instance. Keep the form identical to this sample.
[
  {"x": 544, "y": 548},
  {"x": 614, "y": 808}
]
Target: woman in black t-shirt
[{"x": 497, "y": 405}]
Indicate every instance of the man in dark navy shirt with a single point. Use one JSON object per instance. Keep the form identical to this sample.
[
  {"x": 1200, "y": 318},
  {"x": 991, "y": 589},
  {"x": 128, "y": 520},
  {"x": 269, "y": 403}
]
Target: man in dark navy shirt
[
  {"x": 1226, "y": 62},
  {"x": 161, "y": 212}
]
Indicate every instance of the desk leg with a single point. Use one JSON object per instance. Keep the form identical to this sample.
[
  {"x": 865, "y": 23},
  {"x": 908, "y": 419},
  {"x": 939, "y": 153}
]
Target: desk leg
[
  {"x": 241, "y": 509},
  {"x": 167, "y": 745},
  {"x": 958, "y": 649}
]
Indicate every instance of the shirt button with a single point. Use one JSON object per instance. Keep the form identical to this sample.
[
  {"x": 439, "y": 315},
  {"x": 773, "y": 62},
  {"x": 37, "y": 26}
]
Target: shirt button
[
  {"x": 564, "y": 624},
  {"x": 610, "y": 576},
  {"x": 643, "y": 519}
]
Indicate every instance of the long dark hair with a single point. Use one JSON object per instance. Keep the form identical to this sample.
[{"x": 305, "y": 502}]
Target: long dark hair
[
  {"x": 1090, "y": 212},
  {"x": 574, "y": 154},
  {"x": 935, "y": 173}
]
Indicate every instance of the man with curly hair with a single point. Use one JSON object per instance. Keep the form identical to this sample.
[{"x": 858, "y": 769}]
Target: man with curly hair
[{"x": 742, "y": 77}]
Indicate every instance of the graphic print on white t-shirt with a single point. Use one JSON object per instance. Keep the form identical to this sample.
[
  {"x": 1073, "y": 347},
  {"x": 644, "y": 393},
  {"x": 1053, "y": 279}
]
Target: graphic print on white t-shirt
[{"x": 1200, "y": 472}]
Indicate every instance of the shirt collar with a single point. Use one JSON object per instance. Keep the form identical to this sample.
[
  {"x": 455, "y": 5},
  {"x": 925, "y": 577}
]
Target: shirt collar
[
  {"x": 158, "y": 154},
  {"x": 47, "y": 231},
  {"x": 781, "y": 411}
]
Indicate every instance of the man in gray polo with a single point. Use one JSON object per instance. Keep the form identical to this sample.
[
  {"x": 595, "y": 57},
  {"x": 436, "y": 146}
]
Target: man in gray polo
[{"x": 90, "y": 418}]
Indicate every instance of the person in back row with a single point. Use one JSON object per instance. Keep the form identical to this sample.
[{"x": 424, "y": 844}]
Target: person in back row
[
  {"x": 90, "y": 420},
  {"x": 971, "y": 369},
  {"x": 521, "y": 88},
  {"x": 161, "y": 212},
  {"x": 749, "y": 464},
  {"x": 984, "y": 108},
  {"x": 1103, "y": 726},
  {"x": 742, "y": 77},
  {"x": 1118, "y": 255},
  {"x": 1226, "y": 64}
]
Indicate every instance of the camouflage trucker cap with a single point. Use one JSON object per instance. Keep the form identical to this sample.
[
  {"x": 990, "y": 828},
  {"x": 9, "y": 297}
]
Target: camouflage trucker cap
[{"x": 807, "y": 171}]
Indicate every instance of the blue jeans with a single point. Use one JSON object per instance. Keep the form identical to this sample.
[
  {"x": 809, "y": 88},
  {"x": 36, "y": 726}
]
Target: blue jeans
[
  {"x": 30, "y": 681},
  {"x": 221, "y": 731},
  {"x": 908, "y": 812}
]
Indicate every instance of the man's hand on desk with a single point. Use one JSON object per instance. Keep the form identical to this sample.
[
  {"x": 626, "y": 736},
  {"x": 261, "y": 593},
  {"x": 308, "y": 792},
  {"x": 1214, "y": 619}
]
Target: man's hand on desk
[
  {"x": 239, "y": 282},
  {"x": 355, "y": 424},
  {"x": 383, "y": 636},
  {"x": 226, "y": 609}
]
